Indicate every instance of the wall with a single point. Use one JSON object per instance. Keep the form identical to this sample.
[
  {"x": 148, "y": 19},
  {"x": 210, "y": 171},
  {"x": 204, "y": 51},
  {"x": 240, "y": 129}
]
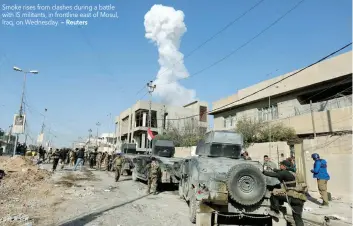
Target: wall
[
  {"x": 337, "y": 151},
  {"x": 329, "y": 69},
  {"x": 183, "y": 152},
  {"x": 258, "y": 150}
]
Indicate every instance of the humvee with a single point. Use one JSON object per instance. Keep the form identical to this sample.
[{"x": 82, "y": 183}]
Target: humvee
[
  {"x": 128, "y": 150},
  {"x": 163, "y": 151},
  {"x": 219, "y": 186}
]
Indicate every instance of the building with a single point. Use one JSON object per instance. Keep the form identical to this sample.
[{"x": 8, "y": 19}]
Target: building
[
  {"x": 132, "y": 124},
  {"x": 324, "y": 89}
]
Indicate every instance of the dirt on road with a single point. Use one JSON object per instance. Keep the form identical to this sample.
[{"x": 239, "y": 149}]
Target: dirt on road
[{"x": 32, "y": 196}]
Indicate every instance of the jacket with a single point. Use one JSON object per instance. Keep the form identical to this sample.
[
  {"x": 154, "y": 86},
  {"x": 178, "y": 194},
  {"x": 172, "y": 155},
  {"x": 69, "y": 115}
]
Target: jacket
[
  {"x": 81, "y": 154},
  {"x": 320, "y": 170}
]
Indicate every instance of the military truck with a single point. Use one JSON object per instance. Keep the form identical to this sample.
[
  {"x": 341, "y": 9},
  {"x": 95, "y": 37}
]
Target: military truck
[
  {"x": 163, "y": 151},
  {"x": 220, "y": 186},
  {"x": 128, "y": 150}
]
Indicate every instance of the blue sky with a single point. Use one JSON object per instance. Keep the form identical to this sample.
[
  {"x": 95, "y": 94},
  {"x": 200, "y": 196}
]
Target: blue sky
[{"x": 87, "y": 73}]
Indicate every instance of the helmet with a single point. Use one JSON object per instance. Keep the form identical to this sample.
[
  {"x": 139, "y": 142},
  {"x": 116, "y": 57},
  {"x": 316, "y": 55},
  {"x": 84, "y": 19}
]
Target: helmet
[{"x": 315, "y": 156}]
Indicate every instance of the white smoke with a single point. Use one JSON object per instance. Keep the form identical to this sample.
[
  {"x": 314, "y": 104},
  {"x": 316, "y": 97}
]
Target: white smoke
[{"x": 165, "y": 26}]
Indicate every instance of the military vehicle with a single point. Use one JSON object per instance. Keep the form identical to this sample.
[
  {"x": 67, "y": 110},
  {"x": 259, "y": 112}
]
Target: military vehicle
[
  {"x": 128, "y": 150},
  {"x": 163, "y": 151},
  {"x": 219, "y": 185}
]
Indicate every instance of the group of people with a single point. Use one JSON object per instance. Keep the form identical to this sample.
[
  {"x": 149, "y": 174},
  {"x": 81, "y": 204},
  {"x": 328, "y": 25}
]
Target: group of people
[{"x": 291, "y": 190}]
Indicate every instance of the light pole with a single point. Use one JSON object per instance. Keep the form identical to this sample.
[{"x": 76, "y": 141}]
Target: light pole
[
  {"x": 150, "y": 88},
  {"x": 89, "y": 136},
  {"x": 22, "y": 96},
  {"x": 97, "y": 124}
]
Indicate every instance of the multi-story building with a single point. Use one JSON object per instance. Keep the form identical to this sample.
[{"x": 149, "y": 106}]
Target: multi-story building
[
  {"x": 315, "y": 100},
  {"x": 132, "y": 124}
]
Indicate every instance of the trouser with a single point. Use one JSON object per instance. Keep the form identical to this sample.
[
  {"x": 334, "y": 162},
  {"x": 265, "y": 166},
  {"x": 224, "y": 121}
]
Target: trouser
[
  {"x": 62, "y": 163},
  {"x": 91, "y": 163},
  {"x": 117, "y": 173},
  {"x": 72, "y": 161},
  {"x": 55, "y": 163},
  {"x": 99, "y": 164},
  {"x": 152, "y": 184},
  {"x": 297, "y": 206},
  {"x": 79, "y": 162},
  {"x": 322, "y": 186}
]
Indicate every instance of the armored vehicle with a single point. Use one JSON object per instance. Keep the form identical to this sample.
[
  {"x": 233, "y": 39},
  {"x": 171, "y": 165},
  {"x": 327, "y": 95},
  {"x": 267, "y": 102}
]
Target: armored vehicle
[
  {"x": 128, "y": 150},
  {"x": 219, "y": 185},
  {"x": 163, "y": 151}
]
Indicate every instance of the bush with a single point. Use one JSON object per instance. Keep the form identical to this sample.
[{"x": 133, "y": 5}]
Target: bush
[
  {"x": 259, "y": 132},
  {"x": 186, "y": 136}
]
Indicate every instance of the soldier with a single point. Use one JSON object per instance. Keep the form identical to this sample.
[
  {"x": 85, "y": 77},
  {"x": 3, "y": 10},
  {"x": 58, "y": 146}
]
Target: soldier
[
  {"x": 118, "y": 163},
  {"x": 72, "y": 158},
  {"x": 91, "y": 159},
  {"x": 99, "y": 160},
  {"x": 152, "y": 173},
  {"x": 291, "y": 192},
  {"x": 56, "y": 157}
]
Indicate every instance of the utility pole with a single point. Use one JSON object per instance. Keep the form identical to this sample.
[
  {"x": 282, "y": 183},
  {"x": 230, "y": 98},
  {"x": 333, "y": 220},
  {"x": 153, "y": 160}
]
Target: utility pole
[
  {"x": 97, "y": 124},
  {"x": 22, "y": 97},
  {"x": 150, "y": 88},
  {"x": 312, "y": 118},
  {"x": 269, "y": 123},
  {"x": 89, "y": 136}
]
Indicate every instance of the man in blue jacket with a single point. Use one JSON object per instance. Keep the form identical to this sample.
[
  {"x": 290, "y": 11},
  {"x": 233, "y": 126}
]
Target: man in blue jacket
[{"x": 322, "y": 176}]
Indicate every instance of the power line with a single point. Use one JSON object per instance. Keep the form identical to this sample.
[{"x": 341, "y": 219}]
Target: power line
[
  {"x": 231, "y": 23},
  {"x": 258, "y": 91},
  {"x": 240, "y": 47}
]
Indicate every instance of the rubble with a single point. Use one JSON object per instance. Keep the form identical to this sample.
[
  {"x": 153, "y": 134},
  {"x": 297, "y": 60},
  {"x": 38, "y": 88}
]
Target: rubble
[{"x": 22, "y": 189}]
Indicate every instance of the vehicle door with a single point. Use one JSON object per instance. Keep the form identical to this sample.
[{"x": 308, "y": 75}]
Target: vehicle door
[
  {"x": 185, "y": 176},
  {"x": 144, "y": 171},
  {"x": 138, "y": 166}
]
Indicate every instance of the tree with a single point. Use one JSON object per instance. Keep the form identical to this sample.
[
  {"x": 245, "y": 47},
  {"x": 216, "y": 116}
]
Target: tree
[
  {"x": 259, "y": 132},
  {"x": 184, "y": 133}
]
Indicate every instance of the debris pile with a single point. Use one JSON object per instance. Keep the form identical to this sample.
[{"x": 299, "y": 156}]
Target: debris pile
[{"x": 21, "y": 188}]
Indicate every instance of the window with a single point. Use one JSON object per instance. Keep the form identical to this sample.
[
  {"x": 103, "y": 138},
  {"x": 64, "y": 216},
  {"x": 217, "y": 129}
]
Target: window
[
  {"x": 203, "y": 114},
  {"x": 229, "y": 121},
  {"x": 266, "y": 114}
]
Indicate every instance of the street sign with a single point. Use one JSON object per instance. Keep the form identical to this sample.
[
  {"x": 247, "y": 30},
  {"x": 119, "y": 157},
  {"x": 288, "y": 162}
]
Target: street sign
[{"x": 19, "y": 122}]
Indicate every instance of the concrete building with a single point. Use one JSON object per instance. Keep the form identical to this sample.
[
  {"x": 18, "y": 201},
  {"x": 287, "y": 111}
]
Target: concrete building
[
  {"x": 132, "y": 124},
  {"x": 326, "y": 85}
]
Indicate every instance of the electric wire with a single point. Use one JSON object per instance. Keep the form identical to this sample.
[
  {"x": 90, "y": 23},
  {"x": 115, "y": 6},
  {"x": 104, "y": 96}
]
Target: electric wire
[
  {"x": 241, "y": 46},
  {"x": 272, "y": 84},
  {"x": 231, "y": 23}
]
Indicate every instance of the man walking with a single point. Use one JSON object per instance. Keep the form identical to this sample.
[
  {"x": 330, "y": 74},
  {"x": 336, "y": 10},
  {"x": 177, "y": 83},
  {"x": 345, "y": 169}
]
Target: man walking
[
  {"x": 80, "y": 157},
  {"x": 56, "y": 157},
  {"x": 153, "y": 173},
  {"x": 320, "y": 173},
  {"x": 118, "y": 162}
]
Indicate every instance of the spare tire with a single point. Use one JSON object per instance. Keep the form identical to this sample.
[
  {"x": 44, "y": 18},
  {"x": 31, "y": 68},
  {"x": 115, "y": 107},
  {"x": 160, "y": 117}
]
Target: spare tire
[{"x": 246, "y": 184}]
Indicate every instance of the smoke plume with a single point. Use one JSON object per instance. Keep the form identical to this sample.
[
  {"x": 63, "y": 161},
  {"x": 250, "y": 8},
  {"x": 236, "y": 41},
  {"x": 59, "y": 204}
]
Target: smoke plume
[{"x": 165, "y": 26}]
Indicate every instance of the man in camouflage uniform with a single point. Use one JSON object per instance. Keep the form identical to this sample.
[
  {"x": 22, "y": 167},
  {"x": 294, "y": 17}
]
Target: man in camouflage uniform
[
  {"x": 153, "y": 174},
  {"x": 99, "y": 160},
  {"x": 118, "y": 163}
]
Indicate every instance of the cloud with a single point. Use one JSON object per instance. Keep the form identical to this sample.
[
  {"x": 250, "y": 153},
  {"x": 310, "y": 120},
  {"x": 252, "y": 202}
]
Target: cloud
[{"x": 164, "y": 27}]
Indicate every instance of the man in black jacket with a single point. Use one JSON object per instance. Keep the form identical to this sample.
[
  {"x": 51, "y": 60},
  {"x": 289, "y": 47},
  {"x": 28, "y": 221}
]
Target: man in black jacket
[
  {"x": 80, "y": 156},
  {"x": 288, "y": 194}
]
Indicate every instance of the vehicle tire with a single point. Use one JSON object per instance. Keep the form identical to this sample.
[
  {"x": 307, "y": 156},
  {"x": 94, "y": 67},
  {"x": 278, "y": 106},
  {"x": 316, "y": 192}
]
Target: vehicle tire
[
  {"x": 180, "y": 190},
  {"x": 194, "y": 205},
  {"x": 134, "y": 175},
  {"x": 246, "y": 184}
]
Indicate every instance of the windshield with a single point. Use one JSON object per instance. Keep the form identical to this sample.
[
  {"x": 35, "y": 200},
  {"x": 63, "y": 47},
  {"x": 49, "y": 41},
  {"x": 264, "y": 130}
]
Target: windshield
[{"x": 225, "y": 150}]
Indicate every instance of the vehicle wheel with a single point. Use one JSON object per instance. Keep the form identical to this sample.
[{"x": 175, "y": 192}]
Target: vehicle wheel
[
  {"x": 193, "y": 207},
  {"x": 180, "y": 190},
  {"x": 134, "y": 175},
  {"x": 246, "y": 184}
]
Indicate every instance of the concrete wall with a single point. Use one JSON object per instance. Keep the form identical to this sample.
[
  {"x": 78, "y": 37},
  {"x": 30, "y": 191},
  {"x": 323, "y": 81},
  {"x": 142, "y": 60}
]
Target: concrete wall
[
  {"x": 277, "y": 152},
  {"x": 337, "y": 151},
  {"x": 329, "y": 69}
]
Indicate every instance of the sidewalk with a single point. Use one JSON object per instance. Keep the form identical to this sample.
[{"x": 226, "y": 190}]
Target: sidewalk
[{"x": 339, "y": 212}]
